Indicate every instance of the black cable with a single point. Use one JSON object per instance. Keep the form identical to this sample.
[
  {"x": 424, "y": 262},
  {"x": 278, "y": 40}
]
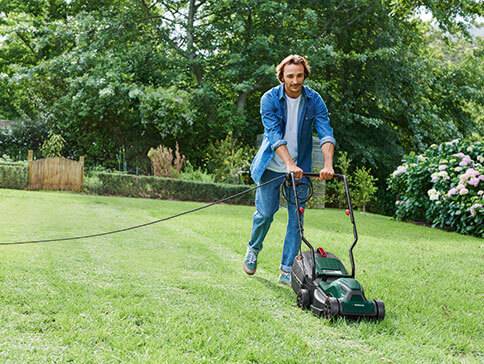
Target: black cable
[
  {"x": 301, "y": 200},
  {"x": 146, "y": 224}
]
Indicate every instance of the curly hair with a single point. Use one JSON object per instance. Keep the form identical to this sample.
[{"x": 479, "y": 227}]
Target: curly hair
[{"x": 292, "y": 59}]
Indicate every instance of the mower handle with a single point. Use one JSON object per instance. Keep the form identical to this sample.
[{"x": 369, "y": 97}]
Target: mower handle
[
  {"x": 343, "y": 179},
  {"x": 316, "y": 175}
]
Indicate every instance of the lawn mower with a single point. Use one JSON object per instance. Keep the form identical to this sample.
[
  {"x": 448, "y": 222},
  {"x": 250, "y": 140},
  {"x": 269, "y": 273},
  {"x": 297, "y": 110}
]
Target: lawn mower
[{"x": 321, "y": 281}]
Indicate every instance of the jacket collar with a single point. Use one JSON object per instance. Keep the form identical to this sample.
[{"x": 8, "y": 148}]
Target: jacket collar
[{"x": 282, "y": 94}]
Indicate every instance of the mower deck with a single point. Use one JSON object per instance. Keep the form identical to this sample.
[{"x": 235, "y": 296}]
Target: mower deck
[{"x": 334, "y": 295}]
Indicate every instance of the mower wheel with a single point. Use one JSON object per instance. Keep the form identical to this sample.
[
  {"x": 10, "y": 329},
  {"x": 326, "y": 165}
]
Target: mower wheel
[
  {"x": 333, "y": 308},
  {"x": 303, "y": 299},
  {"x": 380, "y": 310}
]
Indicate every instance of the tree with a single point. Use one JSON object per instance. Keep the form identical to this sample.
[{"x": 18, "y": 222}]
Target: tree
[
  {"x": 452, "y": 16},
  {"x": 364, "y": 187}
]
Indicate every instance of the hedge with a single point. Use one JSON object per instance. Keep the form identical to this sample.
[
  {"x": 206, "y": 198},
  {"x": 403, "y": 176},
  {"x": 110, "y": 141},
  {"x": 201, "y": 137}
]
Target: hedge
[
  {"x": 165, "y": 188},
  {"x": 13, "y": 175}
]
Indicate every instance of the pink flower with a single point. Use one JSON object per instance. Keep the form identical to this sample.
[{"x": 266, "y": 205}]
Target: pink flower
[
  {"x": 463, "y": 191},
  {"x": 452, "y": 192},
  {"x": 465, "y": 161},
  {"x": 442, "y": 167},
  {"x": 471, "y": 172},
  {"x": 400, "y": 170},
  {"x": 473, "y": 181}
]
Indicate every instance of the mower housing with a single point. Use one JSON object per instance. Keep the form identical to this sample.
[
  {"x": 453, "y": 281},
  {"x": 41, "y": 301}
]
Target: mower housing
[{"x": 332, "y": 293}]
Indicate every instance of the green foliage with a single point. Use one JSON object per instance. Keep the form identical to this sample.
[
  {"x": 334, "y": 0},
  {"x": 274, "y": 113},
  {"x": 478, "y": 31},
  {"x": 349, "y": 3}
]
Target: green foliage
[
  {"x": 53, "y": 146},
  {"x": 320, "y": 196},
  {"x": 336, "y": 189},
  {"x": 21, "y": 136},
  {"x": 443, "y": 186},
  {"x": 13, "y": 175},
  {"x": 361, "y": 183},
  {"x": 92, "y": 184},
  {"x": 6, "y": 159},
  {"x": 450, "y": 15},
  {"x": 168, "y": 188},
  {"x": 229, "y": 161},
  {"x": 364, "y": 187},
  {"x": 167, "y": 109},
  {"x": 97, "y": 169},
  {"x": 190, "y": 173}
]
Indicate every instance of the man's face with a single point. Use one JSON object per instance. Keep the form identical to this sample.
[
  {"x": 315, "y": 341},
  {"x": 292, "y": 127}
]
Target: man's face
[{"x": 293, "y": 77}]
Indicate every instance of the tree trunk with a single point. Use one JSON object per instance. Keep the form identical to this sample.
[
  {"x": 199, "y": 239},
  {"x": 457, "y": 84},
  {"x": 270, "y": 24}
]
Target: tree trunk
[
  {"x": 242, "y": 101},
  {"x": 192, "y": 56}
]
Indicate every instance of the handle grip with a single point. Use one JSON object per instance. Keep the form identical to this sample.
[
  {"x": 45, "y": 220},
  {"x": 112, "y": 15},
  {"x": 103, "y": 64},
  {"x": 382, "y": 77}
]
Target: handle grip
[{"x": 316, "y": 175}]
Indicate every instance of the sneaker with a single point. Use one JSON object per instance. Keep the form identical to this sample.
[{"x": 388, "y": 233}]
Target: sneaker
[
  {"x": 250, "y": 261},
  {"x": 285, "y": 278}
]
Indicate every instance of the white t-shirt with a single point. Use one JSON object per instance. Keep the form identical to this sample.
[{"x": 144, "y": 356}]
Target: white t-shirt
[{"x": 276, "y": 164}]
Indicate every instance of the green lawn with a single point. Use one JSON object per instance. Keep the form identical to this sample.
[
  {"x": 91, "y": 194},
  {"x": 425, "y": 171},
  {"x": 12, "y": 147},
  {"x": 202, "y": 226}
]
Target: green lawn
[{"x": 175, "y": 292}]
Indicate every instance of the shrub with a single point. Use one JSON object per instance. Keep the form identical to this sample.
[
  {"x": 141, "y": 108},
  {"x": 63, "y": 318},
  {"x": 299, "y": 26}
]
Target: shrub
[
  {"x": 364, "y": 187},
  {"x": 52, "y": 147},
  {"x": 191, "y": 173},
  {"x": 443, "y": 187},
  {"x": 361, "y": 184},
  {"x": 92, "y": 184},
  {"x": 169, "y": 188},
  {"x": 13, "y": 175},
  {"x": 229, "y": 161},
  {"x": 165, "y": 163},
  {"x": 320, "y": 196}
]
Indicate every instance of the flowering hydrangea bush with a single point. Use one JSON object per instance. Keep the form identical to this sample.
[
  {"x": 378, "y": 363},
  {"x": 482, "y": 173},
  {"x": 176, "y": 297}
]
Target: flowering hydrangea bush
[{"x": 443, "y": 187}]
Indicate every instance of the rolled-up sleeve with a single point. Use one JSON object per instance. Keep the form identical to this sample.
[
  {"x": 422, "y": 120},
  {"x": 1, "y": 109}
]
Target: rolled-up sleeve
[
  {"x": 322, "y": 123},
  {"x": 272, "y": 122}
]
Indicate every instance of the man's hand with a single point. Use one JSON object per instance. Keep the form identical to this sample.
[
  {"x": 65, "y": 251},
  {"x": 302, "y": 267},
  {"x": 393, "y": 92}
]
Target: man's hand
[
  {"x": 298, "y": 172},
  {"x": 283, "y": 153},
  {"x": 326, "y": 173}
]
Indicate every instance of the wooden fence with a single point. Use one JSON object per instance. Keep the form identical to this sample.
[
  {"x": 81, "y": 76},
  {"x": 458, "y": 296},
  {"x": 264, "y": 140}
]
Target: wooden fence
[{"x": 55, "y": 174}]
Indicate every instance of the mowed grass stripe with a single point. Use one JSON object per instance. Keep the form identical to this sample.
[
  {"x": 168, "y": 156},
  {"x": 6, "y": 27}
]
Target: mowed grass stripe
[{"x": 175, "y": 292}]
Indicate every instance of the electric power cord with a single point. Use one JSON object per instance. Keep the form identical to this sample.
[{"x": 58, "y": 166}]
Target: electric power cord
[{"x": 145, "y": 224}]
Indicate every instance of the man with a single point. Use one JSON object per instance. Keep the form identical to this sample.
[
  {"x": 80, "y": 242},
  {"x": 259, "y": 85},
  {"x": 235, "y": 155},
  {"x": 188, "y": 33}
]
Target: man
[{"x": 289, "y": 112}]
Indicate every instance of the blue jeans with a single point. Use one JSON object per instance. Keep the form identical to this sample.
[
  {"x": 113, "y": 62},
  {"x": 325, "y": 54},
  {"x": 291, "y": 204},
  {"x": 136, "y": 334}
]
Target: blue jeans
[{"x": 266, "y": 204}]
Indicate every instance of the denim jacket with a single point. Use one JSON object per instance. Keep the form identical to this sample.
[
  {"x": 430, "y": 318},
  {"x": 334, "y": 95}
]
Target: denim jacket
[{"x": 312, "y": 112}]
